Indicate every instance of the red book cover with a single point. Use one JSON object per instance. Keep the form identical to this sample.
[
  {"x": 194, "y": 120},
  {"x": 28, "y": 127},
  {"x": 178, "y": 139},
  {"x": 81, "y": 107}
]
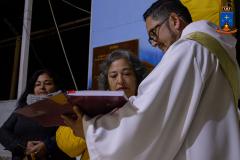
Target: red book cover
[{"x": 48, "y": 111}]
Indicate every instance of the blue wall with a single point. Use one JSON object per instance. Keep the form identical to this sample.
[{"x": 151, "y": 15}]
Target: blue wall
[{"x": 114, "y": 21}]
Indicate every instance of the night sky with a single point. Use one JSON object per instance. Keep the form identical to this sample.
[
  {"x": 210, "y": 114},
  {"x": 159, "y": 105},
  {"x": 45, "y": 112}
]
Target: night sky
[{"x": 47, "y": 47}]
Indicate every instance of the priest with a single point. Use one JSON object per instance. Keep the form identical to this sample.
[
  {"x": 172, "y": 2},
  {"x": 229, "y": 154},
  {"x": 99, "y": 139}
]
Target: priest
[{"x": 186, "y": 109}]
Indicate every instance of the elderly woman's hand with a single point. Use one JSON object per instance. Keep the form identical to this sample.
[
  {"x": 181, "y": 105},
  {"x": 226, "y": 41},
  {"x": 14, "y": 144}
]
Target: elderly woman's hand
[{"x": 77, "y": 125}]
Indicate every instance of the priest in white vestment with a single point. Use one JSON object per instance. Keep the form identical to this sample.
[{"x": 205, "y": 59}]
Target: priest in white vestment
[{"x": 185, "y": 109}]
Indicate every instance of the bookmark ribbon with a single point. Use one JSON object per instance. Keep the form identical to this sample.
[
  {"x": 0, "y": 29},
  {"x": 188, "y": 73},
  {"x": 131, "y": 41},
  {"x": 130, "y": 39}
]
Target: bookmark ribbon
[{"x": 71, "y": 91}]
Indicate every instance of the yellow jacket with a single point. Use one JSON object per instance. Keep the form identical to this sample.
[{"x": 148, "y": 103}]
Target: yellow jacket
[{"x": 70, "y": 144}]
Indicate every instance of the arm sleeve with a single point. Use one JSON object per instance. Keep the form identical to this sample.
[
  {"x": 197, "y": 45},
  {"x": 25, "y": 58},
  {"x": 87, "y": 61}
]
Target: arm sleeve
[
  {"x": 68, "y": 143},
  {"x": 11, "y": 141},
  {"x": 155, "y": 124},
  {"x": 50, "y": 142}
]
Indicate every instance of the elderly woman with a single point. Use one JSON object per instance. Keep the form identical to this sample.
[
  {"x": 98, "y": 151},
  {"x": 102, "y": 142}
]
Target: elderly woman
[
  {"x": 22, "y": 135},
  {"x": 121, "y": 70}
]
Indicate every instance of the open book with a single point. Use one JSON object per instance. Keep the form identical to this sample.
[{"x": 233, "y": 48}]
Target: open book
[{"x": 48, "y": 111}]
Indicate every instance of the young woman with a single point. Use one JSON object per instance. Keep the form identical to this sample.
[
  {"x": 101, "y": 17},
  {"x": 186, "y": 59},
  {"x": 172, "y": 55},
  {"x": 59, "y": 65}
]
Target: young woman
[{"x": 23, "y": 136}]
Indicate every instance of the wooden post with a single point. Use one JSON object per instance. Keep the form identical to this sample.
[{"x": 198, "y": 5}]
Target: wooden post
[
  {"x": 15, "y": 69},
  {"x": 16, "y": 60}
]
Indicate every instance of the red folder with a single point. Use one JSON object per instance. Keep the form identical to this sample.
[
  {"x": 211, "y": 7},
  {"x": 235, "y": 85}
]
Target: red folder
[{"x": 48, "y": 111}]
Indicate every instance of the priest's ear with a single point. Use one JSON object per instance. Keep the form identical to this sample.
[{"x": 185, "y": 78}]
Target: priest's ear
[{"x": 175, "y": 20}]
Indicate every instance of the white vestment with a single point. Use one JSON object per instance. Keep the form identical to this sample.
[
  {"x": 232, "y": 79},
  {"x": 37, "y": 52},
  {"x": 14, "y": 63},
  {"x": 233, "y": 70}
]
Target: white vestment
[{"x": 184, "y": 109}]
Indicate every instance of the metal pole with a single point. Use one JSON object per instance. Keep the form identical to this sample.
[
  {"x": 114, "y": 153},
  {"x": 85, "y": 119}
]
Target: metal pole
[
  {"x": 89, "y": 53},
  {"x": 15, "y": 69},
  {"x": 25, "y": 47}
]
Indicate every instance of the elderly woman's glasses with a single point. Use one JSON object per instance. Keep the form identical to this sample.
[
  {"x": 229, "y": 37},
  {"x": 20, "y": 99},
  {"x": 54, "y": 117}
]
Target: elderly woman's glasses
[{"x": 152, "y": 35}]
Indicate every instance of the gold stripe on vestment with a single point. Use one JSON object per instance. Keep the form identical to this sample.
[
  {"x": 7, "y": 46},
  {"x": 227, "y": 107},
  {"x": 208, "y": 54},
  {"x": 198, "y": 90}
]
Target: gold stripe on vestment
[{"x": 220, "y": 53}]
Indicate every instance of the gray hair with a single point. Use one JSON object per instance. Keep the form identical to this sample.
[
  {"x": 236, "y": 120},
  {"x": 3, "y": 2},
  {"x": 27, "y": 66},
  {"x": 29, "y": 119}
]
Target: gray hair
[{"x": 139, "y": 69}]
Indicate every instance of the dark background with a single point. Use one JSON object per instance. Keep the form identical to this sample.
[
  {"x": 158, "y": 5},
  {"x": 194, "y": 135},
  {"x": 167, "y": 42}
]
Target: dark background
[{"x": 47, "y": 47}]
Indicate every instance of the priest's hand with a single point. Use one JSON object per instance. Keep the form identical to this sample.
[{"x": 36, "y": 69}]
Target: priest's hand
[{"x": 76, "y": 126}]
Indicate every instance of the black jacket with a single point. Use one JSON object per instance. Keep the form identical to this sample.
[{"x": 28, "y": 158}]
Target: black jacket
[{"x": 18, "y": 130}]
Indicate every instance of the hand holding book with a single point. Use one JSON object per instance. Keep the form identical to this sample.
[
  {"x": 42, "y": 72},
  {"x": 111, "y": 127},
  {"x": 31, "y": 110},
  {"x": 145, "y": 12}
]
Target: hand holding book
[
  {"x": 92, "y": 103},
  {"x": 77, "y": 125}
]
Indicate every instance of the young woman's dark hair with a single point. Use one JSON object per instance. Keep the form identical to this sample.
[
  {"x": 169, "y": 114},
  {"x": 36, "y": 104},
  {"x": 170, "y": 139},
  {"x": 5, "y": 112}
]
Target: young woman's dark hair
[{"x": 30, "y": 86}]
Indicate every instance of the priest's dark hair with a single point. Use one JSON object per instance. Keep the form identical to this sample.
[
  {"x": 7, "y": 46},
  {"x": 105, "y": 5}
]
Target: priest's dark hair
[
  {"x": 139, "y": 69},
  {"x": 30, "y": 85},
  {"x": 163, "y": 8}
]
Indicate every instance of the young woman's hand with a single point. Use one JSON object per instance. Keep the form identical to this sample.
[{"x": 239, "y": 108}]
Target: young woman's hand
[
  {"x": 29, "y": 147},
  {"x": 40, "y": 149},
  {"x": 77, "y": 125}
]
